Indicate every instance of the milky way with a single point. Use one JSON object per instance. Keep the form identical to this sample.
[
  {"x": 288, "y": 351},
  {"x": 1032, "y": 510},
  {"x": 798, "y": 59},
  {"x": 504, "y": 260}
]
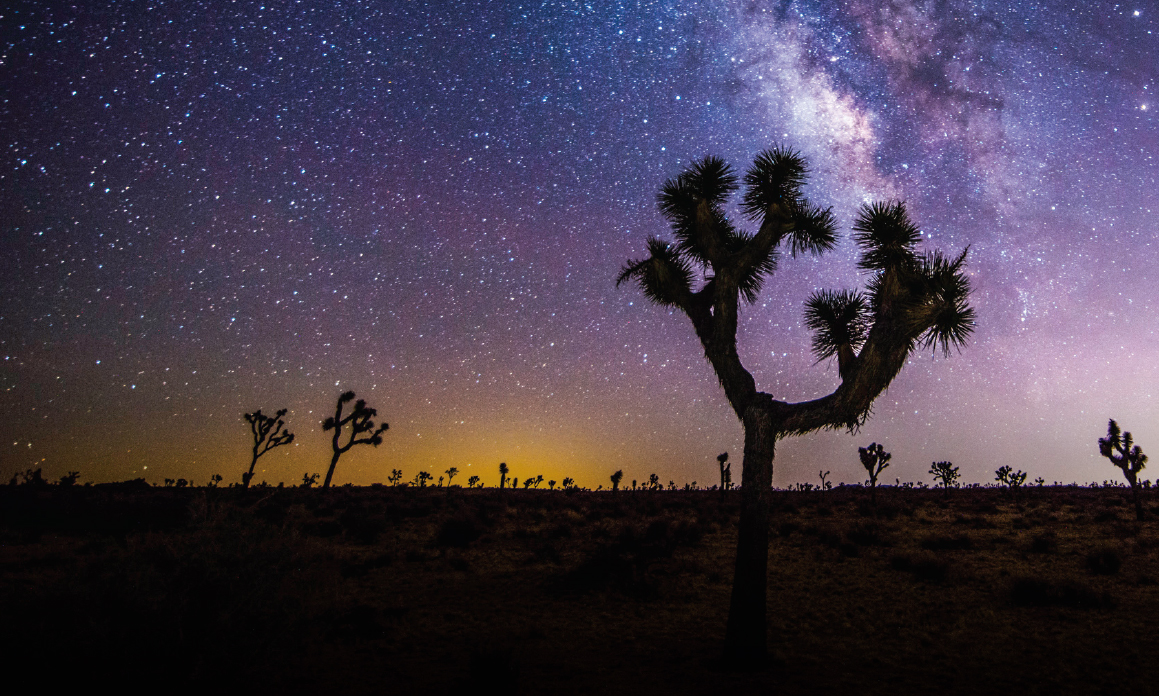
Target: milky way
[{"x": 209, "y": 208}]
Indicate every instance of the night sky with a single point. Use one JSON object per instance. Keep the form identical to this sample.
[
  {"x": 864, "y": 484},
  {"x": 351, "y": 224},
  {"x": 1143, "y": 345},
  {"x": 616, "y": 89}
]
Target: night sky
[{"x": 210, "y": 208}]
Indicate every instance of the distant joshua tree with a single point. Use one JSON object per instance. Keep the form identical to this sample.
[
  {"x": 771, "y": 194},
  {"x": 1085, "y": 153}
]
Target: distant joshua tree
[
  {"x": 654, "y": 483},
  {"x": 502, "y": 473},
  {"x": 421, "y": 479},
  {"x": 1117, "y": 446},
  {"x": 308, "y": 480},
  {"x": 538, "y": 480},
  {"x": 568, "y": 483},
  {"x": 875, "y": 460},
  {"x": 215, "y": 480},
  {"x": 551, "y": 484},
  {"x": 947, "y": 474},
  {"x": 451, "y": 473},
  {"x": 825, "y": 483},
  {"x": 725, "y": 472},
  {"x": 395, "y": 477},
  {"x": 1010, "y": 478},
  {"x": 70, "y": 479},
  {"x": 268, "y": 434},
  {"x": 473, "y": 482},
  {"x": 616, "y": 478},
  {"x": 359, "y": 420},
  {"x": 913, "y": 300}
]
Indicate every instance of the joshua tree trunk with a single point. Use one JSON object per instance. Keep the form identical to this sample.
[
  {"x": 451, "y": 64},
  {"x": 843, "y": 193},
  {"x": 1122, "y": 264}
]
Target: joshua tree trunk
[
  {"x": 1134, "y": 481},
  {"x": 333, "y": 464},
  {"x": 745, "y": 638}
]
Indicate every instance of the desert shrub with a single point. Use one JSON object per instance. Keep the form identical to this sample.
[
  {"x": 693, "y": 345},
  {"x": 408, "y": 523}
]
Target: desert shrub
[
  {"x": 1041, "y": 592},
  {"x": 1044, "y": 542},
  {"x": 458, "y": 532},
  {"x": 362, "y": 525},
  {"x": 867, "y": 534},
  {"x": 1105, "y": 560},
  {"x": 947, "y": 542},
  {"x": 923, "y": 566}
]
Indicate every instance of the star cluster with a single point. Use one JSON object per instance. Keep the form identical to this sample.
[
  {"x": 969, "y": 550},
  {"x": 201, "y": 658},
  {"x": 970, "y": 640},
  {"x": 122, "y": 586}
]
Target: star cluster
[{"x": 208, "y": 208}]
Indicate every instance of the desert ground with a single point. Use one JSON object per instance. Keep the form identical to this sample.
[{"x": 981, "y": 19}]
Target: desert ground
[{"x": 381, "y": 590}]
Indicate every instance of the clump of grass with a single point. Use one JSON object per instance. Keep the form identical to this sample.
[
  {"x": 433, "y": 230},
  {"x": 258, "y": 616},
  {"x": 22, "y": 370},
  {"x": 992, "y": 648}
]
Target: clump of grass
[
  {"x": 947, "y": 542},
  {"x": 1028, "y": 591},
  {"x": 1044, "y": 542},
  {"x": 1105, "y": 560},
  {"x": 458, "y": 532},
  {"x": 923, "y": 566}
]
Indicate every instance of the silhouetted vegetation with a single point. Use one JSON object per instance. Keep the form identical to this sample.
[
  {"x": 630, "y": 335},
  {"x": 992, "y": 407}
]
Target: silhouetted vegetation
[
  {"x": 875, "y": 460},
  {"x": 267, "y": 434},
  {"x": 502, "y": 473},
  {"x": 946, "y": 474},
  {"x": 1119, "y": 447},
  {"x": 913, "y": 300},
  {"x": 359, "y": 422},
  {"x": 616, "y": 478}
]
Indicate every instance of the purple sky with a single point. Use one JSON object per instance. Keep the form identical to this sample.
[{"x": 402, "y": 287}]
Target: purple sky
[{"x": 207, "y": 209}]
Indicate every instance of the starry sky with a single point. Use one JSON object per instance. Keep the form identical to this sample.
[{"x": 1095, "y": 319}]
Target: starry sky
[{"x": 208, "y": 208}]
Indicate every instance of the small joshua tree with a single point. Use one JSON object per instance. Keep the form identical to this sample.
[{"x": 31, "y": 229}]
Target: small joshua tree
[
  {"x": 1010, "y": 478},
  {"x": 421, "y": 478},
  {"x": 473, "y": 482},
  {"x": 551, "y": 484},
  {"x": 268, "y": 434},
  {"x": 568, "y": 482},
  {"x": 395, "y": 477},
  {"x": 359, "y": 420},
  {"x": 308, "y": 480},
  {"x": 875, "y": 460},
  {"x": 1117, "y": 446},
  {"x": 616, "y": 478},
  {"x": 825, "y": 483},
  {"x": 502, "y": 473},
  {"x": 451, "y": 473},
  {"x": 215, "y": 480},
  {"x": 69, "y": 479},
  {"x": 946, "y": 473},
  {"x": 654, "y": 482},
  {"x": 726, "y": 471}
]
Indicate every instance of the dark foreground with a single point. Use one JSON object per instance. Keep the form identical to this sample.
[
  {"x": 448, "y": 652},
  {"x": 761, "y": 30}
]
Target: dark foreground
[{"x": 407, "y": 591}]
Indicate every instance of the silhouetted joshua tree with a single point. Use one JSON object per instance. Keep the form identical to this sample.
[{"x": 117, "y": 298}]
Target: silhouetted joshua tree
[
  {"x": 875, "y": 460},
  {"x": 502, "y": 473},
  {"x": 451, "y": 473},
  {"x": 946, "y": 473},
  {"x": 268, "y": 434},
  {"x": 616, "y": 478},
  {"x": 1117, "y": 446},
  {"x": 395, "y": 477},
  {"x": 308, "y": 480},
  {"x": 913, "y": 300},
  {"x": 725, "y": 472},
  {"x": 1010, "y": 478},
  {"x": 359, "y": 420},
  {"x": 473, "y": 482},
  {"x": 568, "y": 482}
]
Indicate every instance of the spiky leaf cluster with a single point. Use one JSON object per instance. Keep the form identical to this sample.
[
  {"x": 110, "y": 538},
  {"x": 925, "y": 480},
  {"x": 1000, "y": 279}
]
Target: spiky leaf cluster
[
  {"x": 693, "y": 203},
  {"x": 837, "y": 318}
]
